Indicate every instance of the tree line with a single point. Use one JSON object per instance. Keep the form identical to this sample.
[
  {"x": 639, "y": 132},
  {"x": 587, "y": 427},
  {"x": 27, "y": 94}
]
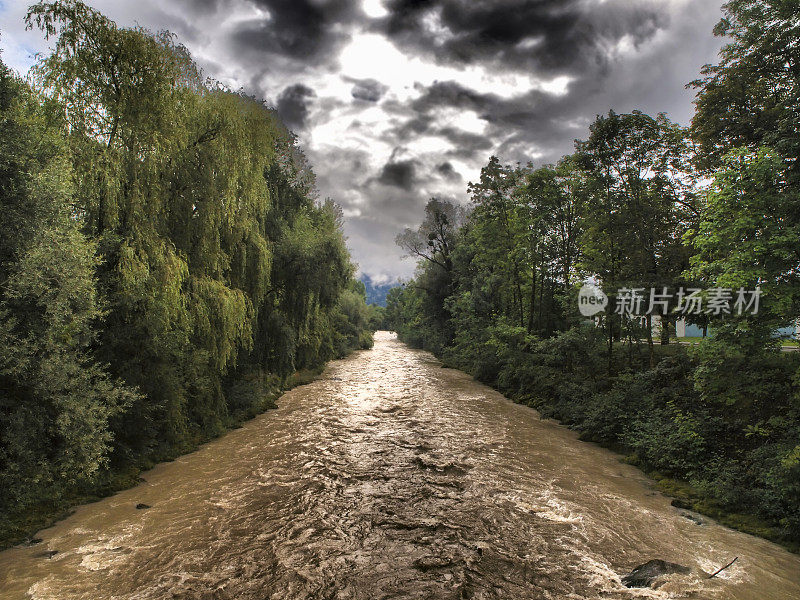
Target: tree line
[
  {"x": 165, "y": 263},
  {"x": 645, "y": 203}
]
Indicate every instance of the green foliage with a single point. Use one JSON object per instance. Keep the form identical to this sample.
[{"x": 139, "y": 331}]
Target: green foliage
[
  {"x": 640, "y": 202},
  {"x": 751, "y": 98},
  {"x": 159, "y": 233},
  {"x": 626, "y": 209},
  {"x": 747, "y": 237},
  {"x": 56, "y": 401},
  {"x": 377, "y": 318}
]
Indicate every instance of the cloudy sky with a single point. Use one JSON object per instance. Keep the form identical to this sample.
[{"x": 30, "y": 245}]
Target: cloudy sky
[{"x": 395, "y": 101}]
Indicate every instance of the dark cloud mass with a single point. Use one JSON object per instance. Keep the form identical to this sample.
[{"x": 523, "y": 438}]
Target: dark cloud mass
[
  {"x": 447, "y": 171},
  {"x": 368, "y": 90},
  {"x": 292, "y": 105},
  {"x": 549, "y": 36},
  {"x": 205, "y": 6},
  {"x": 303, "y": 30},
  {"x": 450, "y": 93},
  {"x": 395, "y": 101},
  {"x": 401, "y": 174}
]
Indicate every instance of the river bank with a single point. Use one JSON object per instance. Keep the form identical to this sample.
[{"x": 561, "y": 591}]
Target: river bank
[
  {"x": 655, "y": 418},
  {"x": 686, "y": 496},
  {"x": 21, "y": 528}
]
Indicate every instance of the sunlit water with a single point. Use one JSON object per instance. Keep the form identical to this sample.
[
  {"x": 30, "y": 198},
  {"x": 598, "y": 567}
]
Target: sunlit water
[{"x": 391, "y": 477}]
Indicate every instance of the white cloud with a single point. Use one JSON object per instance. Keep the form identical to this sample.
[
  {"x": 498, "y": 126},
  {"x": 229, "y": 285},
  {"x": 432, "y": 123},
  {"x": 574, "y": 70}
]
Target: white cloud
[{"x": 374, "y": 8}]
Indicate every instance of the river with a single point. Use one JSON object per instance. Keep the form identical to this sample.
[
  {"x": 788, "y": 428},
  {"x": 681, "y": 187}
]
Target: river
[{"x": 391, "y": 477}]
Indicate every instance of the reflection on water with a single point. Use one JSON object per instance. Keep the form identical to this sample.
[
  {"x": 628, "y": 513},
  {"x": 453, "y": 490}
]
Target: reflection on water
[{"x": 391, "y": 477}]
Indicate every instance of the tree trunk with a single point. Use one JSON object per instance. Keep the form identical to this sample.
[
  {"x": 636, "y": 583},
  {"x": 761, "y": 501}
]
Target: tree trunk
[
  {"x": 541, "y": 294},
  {"x": 667, "y": 329},
  {"x": 532, "y": 300},
  {"x": 610, "y": 327}
]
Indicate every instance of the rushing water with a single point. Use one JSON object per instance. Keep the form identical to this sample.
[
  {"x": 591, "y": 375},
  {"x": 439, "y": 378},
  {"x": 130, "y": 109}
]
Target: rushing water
[{"x": 391, "y": 477}]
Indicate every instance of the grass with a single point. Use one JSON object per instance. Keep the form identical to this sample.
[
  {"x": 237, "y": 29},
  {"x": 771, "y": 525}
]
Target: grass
[
  {"x": 786, "y": 342},
  {"x": 687, "y": 497}
]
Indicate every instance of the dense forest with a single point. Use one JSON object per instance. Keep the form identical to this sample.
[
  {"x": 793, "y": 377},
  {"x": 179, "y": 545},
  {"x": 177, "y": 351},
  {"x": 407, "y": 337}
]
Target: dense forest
[
  {"x": 165, "y": 264},
  {"x": 645, "y": 203}
]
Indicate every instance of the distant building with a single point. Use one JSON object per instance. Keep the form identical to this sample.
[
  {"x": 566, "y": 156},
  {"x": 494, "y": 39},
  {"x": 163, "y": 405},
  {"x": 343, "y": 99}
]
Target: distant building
[{"x": 683, "y": 329}]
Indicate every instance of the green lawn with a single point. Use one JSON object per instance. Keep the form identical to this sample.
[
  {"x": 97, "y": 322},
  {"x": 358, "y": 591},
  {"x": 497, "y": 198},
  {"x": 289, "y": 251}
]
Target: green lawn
[{"x": 694, "y": 340}]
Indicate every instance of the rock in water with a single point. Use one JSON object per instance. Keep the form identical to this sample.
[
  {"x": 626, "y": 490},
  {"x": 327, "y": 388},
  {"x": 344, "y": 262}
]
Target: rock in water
[
  {"x": 142, "y": 506},
  {"x": 644, "y": 575},
  {"x": 693, "y": 517}
]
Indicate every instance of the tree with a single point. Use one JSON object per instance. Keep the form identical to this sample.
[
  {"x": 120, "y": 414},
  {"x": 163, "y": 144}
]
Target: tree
[
  {"x": 501, "y": 233},
  {"x": 747, "y": 238},
  {"x": 642, "y": 202},
  {"x": 434, "y": 239},
  {"x": 433, "y": 243},
  {"x": 56, "y": 401},
  {"x": 216, "y": 257},
  {"x": 552, "y": 209},
  {"x": 752, "y": 97}
]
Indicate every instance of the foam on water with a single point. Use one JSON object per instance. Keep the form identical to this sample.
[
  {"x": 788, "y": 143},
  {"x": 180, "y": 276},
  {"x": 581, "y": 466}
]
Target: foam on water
[{"x": 391, "y": 477}]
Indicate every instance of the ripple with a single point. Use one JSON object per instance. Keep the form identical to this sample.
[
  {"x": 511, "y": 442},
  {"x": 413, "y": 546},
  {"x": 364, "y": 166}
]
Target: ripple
[{"x": 390, "y": 477}]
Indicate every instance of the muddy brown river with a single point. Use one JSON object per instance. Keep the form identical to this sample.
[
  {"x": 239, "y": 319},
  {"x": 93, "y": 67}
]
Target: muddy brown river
[{"x": 391, "y": 477}]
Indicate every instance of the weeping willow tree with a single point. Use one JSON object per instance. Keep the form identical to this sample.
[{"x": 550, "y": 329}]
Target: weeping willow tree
[
  {"x": 191, "y": 217},
  {"x": 56, "y": 400},
  {"x": 216, "y": 255}
]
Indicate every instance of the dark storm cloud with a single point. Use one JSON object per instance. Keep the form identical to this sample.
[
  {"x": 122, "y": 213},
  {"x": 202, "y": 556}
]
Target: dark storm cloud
[
  {"x": 539, "y": 126},
  {"x": 369, "y": 90},
  {"x": 450, "y": 93},
  {"x": 204, "y": 6},
  {"x": 292, "y": 105},
  {"x": 618, "y": 54},
  {"x": 408, "y": 127},
  {"x": 545, "y": 35},
  {"x": 300, "y": 29},
  {"x": 530, "y": 119},
  {"x": 489, "y": 107},
  {"x": 405, "y": 14},
  {"x": 515, "y": 125},
  {"x": 418, "y": 118},
  {"x": 465, "y": 144},
  {"x": 447, "y": 171},
  {"x": 401, "y": 173}
]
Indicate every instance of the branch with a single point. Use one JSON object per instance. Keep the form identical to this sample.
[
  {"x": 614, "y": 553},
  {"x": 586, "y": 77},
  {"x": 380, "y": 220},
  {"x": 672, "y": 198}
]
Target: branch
[
  {"x": 720, "y": 570},
  {"x": 420, "y": 287},
  {"x": 426, "y": 257},
  {"x": 689, "y": 206}
]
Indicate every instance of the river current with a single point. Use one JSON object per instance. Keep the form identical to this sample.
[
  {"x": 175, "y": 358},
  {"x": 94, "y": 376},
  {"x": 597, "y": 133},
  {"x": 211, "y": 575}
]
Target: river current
[{"x": 391, "y": 477}]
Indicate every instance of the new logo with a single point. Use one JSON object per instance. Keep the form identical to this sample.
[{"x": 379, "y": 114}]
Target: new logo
[{"x": 591, "y": 300}]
